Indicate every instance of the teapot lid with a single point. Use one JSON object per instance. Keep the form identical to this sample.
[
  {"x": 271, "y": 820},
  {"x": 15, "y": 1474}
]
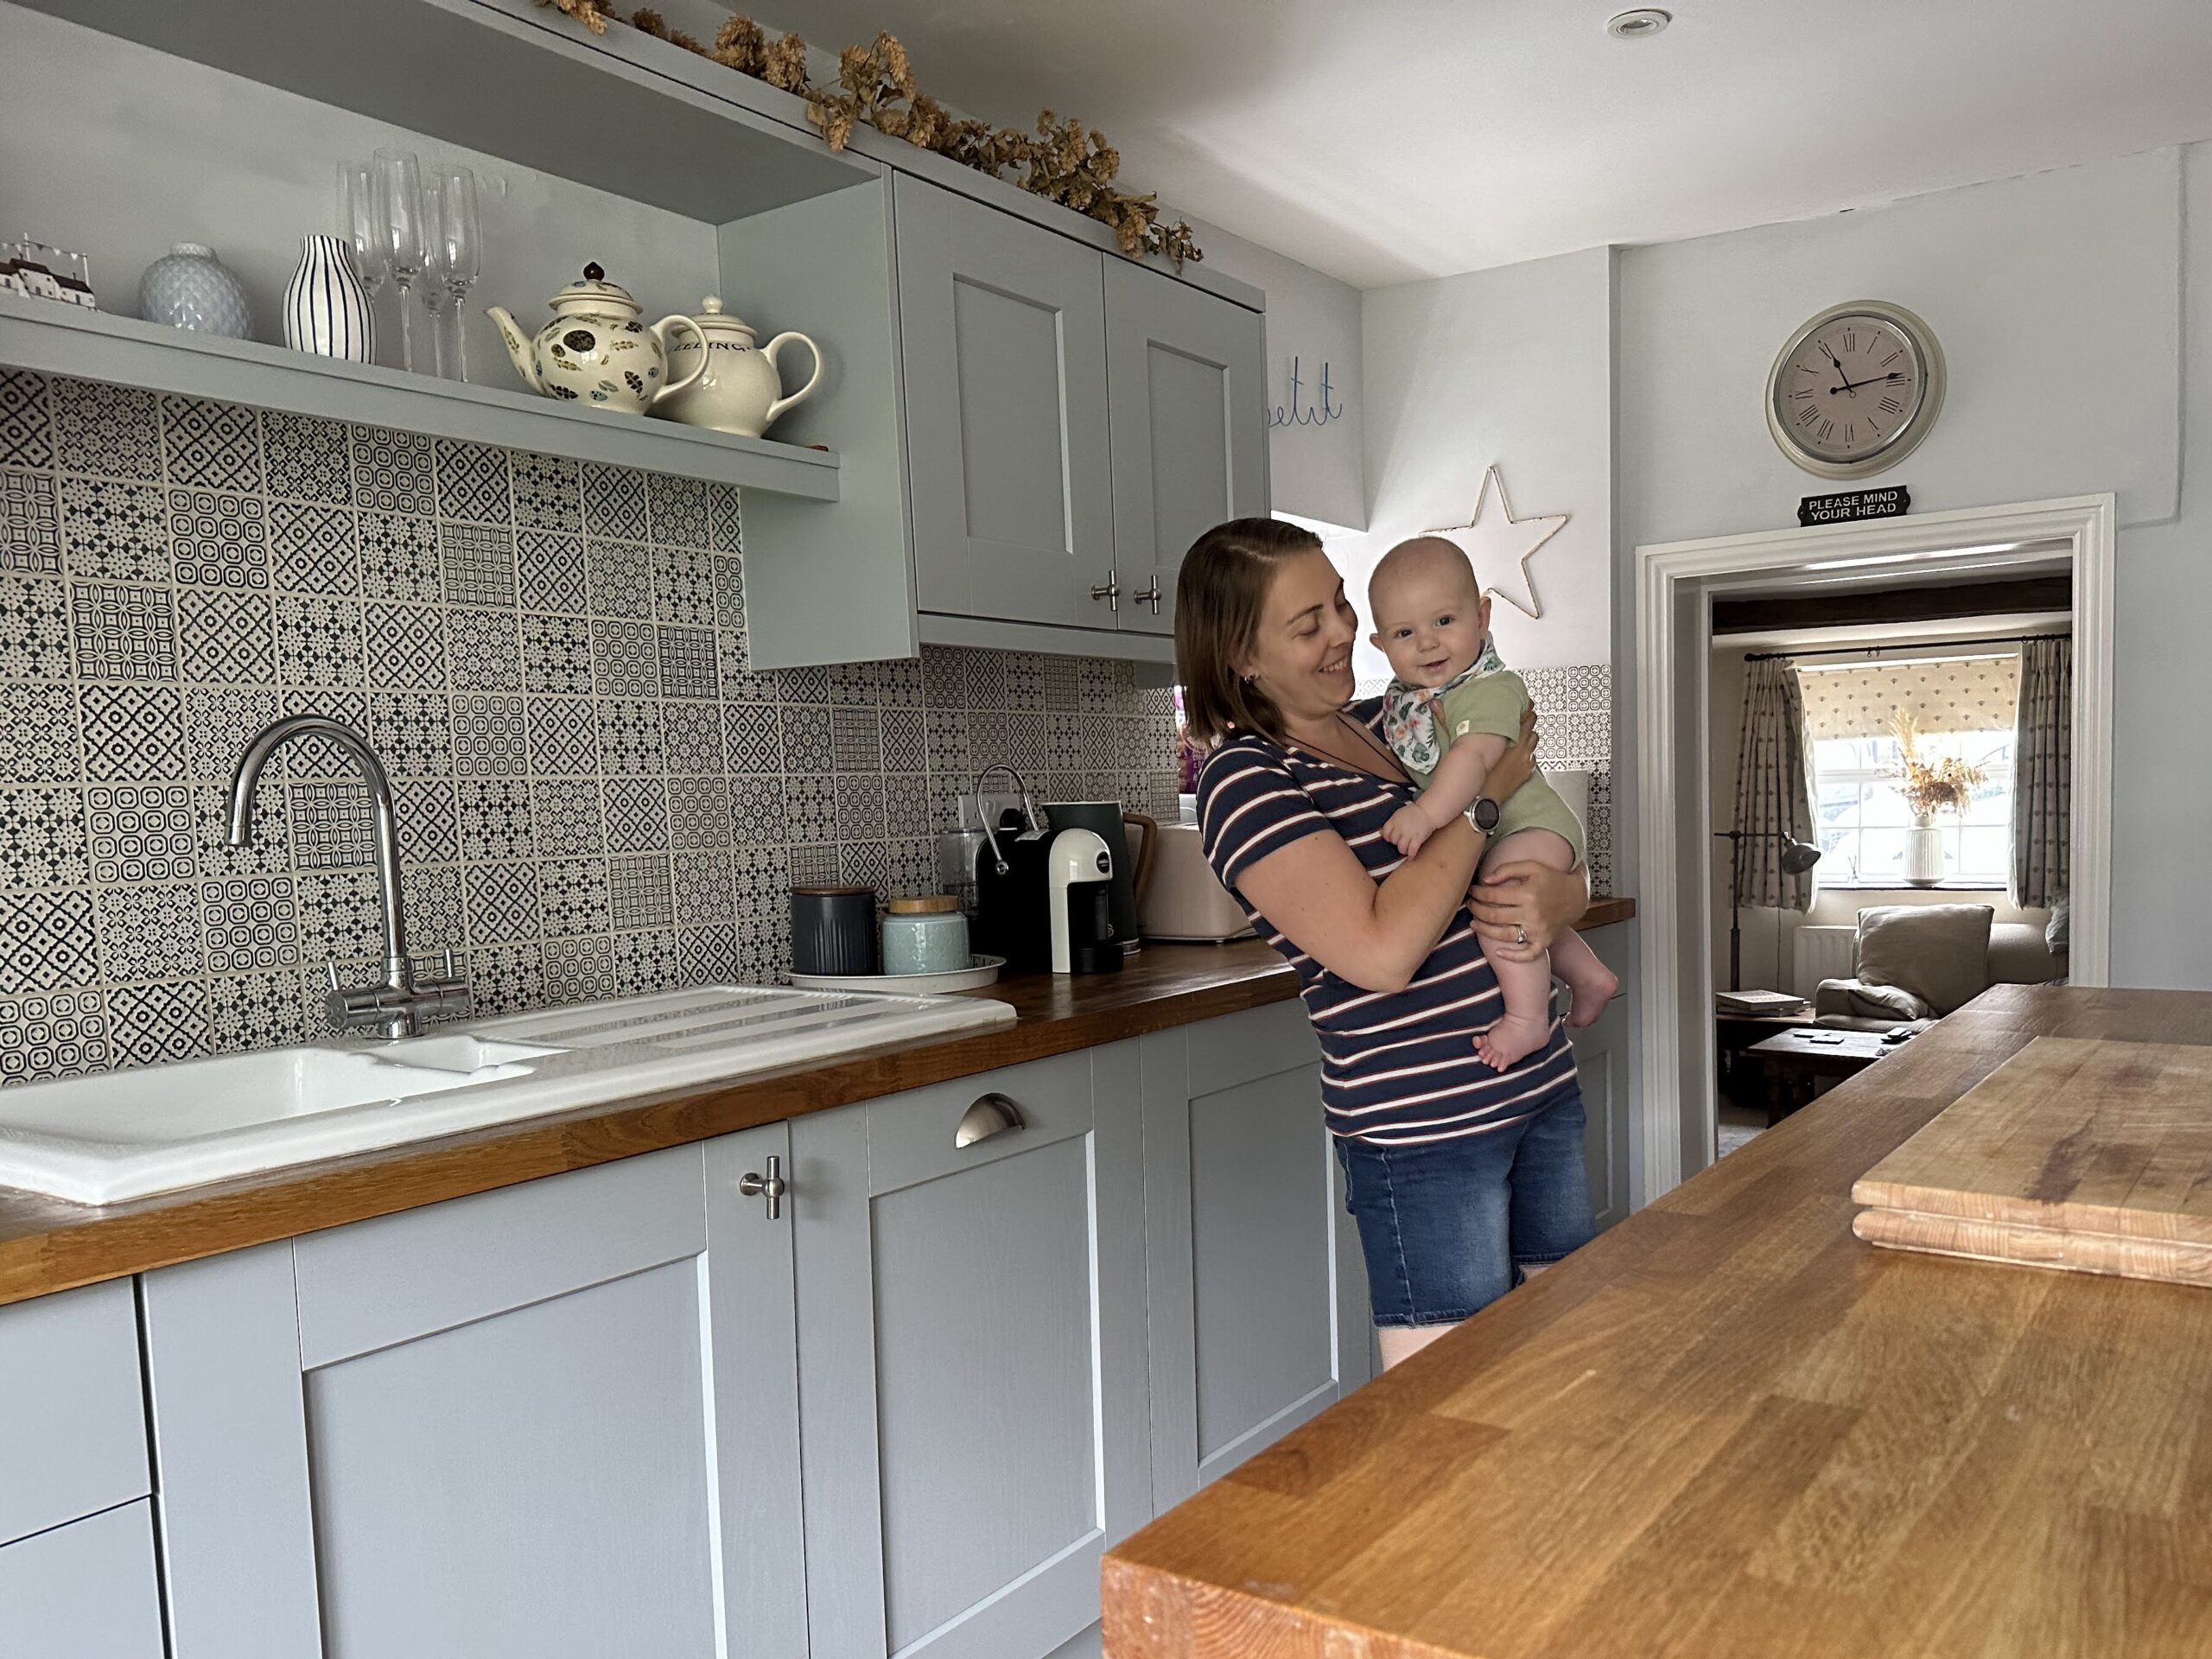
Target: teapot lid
[
  {"x": 712, "y": 318},
  {"x": 596, "y": 291}
]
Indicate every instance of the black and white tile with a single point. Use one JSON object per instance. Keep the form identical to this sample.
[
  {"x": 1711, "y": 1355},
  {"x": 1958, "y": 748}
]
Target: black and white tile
[{"x": 597, "y": 792}]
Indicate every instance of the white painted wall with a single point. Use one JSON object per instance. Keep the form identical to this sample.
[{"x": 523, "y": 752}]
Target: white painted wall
[
  {"x": 2061, "y": 301},
  {"x": 1512, "y": 367},
  {"x": 1316, "y": 468},
  {"x": 117, "y": 151}
]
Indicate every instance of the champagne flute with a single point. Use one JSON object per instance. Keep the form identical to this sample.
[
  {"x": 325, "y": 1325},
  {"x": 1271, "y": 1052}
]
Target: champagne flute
[
  {"x": 357, "y": 222},
  {"x": 460, "y": 235},
  {"x": 399, "y": 228},
  {"x": 437, "y": 300}
]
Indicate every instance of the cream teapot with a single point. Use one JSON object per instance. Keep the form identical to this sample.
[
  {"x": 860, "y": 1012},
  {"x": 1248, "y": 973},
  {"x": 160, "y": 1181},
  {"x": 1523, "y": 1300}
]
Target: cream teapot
[
  {"x": 595, "y": 350},
  {"x": 734, "y": 387}
]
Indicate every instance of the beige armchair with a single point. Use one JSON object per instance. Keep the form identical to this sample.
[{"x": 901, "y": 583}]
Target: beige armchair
[{"x": 1919, "y": 963}]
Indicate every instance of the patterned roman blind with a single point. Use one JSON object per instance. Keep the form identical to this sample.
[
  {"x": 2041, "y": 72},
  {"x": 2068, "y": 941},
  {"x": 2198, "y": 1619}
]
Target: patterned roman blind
[{"x": 1973, "y": 695}]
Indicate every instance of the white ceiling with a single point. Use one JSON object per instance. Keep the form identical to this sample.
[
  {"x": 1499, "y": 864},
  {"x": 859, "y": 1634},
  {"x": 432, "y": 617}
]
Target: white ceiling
[{"x": 1386, "y": 140}]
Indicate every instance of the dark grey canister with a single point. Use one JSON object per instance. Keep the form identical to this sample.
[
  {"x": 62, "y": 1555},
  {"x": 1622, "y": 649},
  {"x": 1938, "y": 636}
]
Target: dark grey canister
[{"x": 833, "y": 929}]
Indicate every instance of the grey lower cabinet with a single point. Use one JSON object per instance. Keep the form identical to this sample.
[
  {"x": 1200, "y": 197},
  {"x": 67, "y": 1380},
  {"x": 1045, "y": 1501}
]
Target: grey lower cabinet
[
  {"x": 1258, "y": 1315},
  {"x": 1187, "y": 386},
  {"x": 992, "y": 1326},
  {"x": 1601, "y": 1058},
  {"x": 557, "y": 1419},
  {"x": 77, "y": 1574},
  {"x": 84, "y": 1590},
  {"x": 1002, "y": 347},
  {"x": 972, "y": 1370}
]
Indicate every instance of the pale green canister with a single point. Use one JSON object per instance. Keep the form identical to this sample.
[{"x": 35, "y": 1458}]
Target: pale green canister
[{"x": 926, "y": 935}]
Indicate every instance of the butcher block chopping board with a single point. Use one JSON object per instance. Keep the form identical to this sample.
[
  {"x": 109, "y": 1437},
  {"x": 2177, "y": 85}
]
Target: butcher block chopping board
[{"x": 2094, "y": 1156}]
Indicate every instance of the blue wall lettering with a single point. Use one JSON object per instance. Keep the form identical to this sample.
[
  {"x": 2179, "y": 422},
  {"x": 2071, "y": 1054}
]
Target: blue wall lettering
[{"x": 1320, "y": 412}]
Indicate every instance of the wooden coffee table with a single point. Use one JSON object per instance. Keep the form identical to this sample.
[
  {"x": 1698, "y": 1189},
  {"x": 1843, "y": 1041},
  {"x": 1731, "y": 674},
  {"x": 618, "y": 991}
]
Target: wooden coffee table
[{"x": 1796, "y": 1063}]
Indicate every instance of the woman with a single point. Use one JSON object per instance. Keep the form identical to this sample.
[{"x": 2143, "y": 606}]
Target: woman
[{"x": 1456, "y": 1174}]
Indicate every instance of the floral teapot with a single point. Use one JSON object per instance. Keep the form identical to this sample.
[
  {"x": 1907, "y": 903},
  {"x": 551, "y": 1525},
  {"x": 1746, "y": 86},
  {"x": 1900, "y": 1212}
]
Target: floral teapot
[
  {"x": 740, "y": 388},
  {"x": 595, "y": 350}
]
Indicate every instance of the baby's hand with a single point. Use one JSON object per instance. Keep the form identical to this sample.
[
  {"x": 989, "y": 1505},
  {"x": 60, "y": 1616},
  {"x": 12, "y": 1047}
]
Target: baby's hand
[{"x": 1407, "y": 830}]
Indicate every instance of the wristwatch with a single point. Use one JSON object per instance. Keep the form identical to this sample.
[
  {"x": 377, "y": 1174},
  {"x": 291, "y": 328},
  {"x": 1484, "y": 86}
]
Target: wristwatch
[{"x": 1483, "y": 815}]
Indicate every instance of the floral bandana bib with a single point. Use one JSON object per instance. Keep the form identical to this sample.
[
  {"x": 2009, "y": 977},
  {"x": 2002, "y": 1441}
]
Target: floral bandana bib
[{"x": 1409, "y": 712}]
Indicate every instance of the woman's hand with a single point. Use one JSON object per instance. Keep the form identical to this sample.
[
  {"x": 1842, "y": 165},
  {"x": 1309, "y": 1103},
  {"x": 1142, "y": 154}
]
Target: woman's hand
[
  {"x": 1517, "y": 766},
  {"x": 1519, "y": 909}
]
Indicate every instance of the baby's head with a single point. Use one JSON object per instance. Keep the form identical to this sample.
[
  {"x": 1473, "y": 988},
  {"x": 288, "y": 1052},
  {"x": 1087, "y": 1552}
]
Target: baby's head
[{"x": 1431, "y": 616}]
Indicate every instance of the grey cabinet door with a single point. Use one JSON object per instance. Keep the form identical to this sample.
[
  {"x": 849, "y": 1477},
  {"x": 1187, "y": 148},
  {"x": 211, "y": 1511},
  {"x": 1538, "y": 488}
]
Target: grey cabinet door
[
  {"x": 85, "y": 1591},
  {"x": 1601, "y": 1064},
  {"x": 971, "y": 1361},
  {"x": 1187, "y": 386},
  {"x": 557, "y": 1419},
  {"x": 1002, "y": 343},
  {"x": 1258, "y": 1303}
]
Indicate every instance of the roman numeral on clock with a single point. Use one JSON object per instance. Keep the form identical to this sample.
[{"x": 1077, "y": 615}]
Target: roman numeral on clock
[{"x": 1891, "y": 406}]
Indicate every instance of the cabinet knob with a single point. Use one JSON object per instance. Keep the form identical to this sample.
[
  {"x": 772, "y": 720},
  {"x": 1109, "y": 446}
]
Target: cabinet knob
[
  {"x": 1110, "y": 591},
  {"x": 770, "y": 1187},
  {"x": 1151, "y": 596},
  {"x": 992, "y": 1114}
]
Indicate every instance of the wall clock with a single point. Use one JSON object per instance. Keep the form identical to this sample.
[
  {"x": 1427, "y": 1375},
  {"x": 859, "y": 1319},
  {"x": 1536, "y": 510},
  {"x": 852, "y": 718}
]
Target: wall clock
[{"x": 1855, "y": 389}]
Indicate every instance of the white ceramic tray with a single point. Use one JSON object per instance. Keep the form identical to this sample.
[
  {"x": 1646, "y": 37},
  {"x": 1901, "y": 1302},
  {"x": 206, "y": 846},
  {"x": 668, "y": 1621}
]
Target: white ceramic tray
[{"x": 984, "y": 971}]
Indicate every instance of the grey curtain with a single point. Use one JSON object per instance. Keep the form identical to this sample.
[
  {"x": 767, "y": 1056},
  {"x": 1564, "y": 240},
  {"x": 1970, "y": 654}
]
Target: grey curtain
[
  {"x": 2043, "y": 770},
  {"x": 1774, "y": 787}
]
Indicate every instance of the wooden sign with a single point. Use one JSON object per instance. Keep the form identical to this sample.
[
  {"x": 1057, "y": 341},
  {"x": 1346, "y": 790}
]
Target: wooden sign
[{"x": 1849, "y": 504}]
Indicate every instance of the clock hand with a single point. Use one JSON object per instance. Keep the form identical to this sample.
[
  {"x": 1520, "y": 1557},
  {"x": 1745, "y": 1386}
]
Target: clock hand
[
  {"x": 1892, "y": 377},
  {"x": 1840, "y": 373}
]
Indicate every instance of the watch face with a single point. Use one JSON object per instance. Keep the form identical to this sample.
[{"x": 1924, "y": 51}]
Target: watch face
[{"x": 1853, "y": 391}]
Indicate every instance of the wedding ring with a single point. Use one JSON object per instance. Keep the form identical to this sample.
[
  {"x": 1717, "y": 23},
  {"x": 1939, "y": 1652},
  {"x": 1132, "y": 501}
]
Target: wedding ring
[{"x": 1520, "y": 936}]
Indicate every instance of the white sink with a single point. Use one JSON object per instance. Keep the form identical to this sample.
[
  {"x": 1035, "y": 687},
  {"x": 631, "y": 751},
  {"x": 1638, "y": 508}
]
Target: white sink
[{"x": 126, "y": 1134}]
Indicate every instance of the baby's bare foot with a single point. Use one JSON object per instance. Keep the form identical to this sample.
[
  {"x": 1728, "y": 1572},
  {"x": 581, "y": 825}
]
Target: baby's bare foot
[
  {"x": 1512, "y": 1040},
  {"x": 1590, "y": 996}
]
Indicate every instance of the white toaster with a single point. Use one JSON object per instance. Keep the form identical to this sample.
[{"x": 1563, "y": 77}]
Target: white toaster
[{"x": 1184, "y": 899}]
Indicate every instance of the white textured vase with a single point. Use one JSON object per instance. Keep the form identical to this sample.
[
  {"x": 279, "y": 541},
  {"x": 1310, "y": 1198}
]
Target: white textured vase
[
  {"x": 189, "y": 288},
  {"x": 1923, "y": 856},
  {"x": 326, "y": 309}
]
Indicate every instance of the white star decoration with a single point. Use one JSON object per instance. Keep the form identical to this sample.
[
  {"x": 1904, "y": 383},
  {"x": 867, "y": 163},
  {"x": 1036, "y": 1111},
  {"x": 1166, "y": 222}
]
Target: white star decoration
[{"x": 1492, "y": 541}]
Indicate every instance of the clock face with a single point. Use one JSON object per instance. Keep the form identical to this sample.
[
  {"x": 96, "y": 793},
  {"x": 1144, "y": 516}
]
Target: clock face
[{"x": 1853, "y": 392}]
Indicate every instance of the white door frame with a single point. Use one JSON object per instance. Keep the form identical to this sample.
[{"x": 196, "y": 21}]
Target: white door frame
[{"x": 1675, "y": 889}]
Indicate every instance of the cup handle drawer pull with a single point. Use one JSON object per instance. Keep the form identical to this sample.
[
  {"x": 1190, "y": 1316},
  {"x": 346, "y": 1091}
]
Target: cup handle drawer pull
[{"x": 991, "y": 1114}]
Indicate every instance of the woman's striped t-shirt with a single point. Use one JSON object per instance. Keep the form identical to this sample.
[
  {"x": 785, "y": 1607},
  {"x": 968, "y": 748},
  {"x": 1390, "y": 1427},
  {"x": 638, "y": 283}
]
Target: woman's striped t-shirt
[{"x": 1398, "y": 1067}]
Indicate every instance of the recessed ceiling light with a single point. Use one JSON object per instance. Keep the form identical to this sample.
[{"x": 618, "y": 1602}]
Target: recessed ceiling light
[{"x": 1643, "y": 22}]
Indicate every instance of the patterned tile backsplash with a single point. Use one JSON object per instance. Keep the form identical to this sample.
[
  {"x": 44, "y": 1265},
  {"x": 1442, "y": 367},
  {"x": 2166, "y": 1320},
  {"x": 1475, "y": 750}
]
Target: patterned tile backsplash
[{"x": 597, "y": 794}]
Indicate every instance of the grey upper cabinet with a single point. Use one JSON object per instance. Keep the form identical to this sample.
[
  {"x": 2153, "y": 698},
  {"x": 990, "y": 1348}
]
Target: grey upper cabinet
[
  {"x": 1003, "y": 352},
  {"x": 1186, "y": 389},
  {"x": 971, "y": 1358},
  {"x": 557, "y": 1419},
  {"x": 1257, "y": 1300}
]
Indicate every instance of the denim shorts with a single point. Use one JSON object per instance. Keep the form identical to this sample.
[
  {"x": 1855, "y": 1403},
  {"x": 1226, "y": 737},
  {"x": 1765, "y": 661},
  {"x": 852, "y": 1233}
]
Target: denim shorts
[{"x": 1445, "y": 1226}]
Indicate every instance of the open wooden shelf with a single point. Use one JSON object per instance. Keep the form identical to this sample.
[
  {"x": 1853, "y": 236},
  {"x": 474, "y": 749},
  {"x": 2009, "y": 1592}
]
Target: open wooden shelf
[
  {"x": 58, "y": 339},
  {"x": 504, "y": 78}
]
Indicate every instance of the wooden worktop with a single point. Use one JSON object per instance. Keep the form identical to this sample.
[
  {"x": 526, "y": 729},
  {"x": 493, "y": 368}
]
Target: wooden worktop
[
  {"x": 1729, "y": 1427},
  {"x": 49, "y": 1245}
]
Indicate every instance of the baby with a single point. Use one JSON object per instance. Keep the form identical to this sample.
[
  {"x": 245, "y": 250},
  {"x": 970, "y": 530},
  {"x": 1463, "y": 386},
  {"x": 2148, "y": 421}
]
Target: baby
[{"x": 1451, "y": 713}]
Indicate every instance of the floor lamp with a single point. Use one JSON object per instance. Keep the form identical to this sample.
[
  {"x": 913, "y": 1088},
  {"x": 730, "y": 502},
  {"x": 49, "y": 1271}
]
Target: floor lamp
[{"x": 1797, "y": 857}]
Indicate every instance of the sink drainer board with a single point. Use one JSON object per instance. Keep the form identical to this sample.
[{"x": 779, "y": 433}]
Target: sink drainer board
[{"x": 129, "y": 1134}]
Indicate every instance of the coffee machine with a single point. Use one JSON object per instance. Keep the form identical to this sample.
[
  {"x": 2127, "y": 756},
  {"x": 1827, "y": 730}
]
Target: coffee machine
[{"x": 1044, "y": 900}]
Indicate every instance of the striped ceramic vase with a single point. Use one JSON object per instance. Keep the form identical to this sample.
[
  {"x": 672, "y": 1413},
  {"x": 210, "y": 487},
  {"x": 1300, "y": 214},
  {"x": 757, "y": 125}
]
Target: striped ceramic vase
[{"x": 326, "y": 309}]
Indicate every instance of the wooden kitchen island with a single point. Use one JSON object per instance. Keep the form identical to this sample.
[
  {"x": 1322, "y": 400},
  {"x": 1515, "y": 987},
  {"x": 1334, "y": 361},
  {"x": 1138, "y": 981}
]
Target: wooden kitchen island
[{"x": 1729, "y": 1427}]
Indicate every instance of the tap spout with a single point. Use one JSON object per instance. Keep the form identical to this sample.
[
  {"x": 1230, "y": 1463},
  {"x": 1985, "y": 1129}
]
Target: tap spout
[{"x": 265, "y": 743}]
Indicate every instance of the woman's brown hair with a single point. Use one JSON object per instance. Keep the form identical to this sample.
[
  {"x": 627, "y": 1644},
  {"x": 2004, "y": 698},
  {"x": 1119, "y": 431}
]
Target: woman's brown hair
[{"x": 1219, "y": 598}]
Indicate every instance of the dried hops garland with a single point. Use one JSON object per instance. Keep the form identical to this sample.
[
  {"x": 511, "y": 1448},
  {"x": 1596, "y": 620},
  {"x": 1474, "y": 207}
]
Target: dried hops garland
[{"x": 1061, "y": 161}]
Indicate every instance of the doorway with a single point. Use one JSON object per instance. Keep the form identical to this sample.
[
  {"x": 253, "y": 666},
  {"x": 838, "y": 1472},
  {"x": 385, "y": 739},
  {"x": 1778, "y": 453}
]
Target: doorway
[{"x": 1676, "y": 585}]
